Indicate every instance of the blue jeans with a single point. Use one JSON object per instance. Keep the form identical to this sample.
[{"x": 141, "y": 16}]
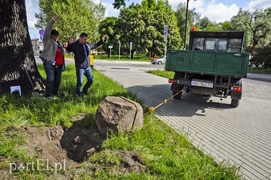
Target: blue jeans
[
  {"x": 53, "y": 73},
  {"x": 79, "y": 74}
]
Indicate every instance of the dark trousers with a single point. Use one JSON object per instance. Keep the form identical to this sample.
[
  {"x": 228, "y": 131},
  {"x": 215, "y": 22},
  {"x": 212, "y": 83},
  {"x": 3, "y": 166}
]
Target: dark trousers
[
  {"x": 80, "y": 72},
  {"x": 53, "y": 79}
]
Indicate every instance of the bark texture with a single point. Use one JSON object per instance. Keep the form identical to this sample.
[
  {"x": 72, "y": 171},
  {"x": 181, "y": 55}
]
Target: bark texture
[{"x": 16, "y": 54}]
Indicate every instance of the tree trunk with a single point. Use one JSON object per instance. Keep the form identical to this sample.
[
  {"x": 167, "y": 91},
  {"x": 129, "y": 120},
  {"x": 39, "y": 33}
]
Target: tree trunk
[
  {"x": 132, "y": 54},
  {"x": 17, "y": 63}
]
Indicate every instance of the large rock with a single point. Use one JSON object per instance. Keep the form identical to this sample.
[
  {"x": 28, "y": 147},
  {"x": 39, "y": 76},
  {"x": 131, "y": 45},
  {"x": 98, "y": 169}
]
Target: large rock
[{"x": 118, "y": 114}]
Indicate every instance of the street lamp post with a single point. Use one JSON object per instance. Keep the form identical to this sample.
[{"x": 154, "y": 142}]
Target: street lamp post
[
  {"x": 186, "y": 18},
  {"x": 185, "y": 29}
]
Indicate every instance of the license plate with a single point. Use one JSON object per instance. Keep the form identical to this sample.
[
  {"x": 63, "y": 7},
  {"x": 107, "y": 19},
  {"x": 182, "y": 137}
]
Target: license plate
[{"x": 202, "y": 83}]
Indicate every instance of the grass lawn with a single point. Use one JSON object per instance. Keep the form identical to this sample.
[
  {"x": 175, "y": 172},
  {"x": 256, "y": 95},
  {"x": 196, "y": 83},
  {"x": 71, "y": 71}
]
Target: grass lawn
[
  {"x": 259, "y": 70},
  {"x": 162, "y": 73},
  {"x": 166, "y": 154}
]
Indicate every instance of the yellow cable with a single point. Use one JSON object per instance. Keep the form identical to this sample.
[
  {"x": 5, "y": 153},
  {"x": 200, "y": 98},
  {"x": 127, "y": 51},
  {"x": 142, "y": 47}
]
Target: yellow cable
[{"x": 164, "y": 102}]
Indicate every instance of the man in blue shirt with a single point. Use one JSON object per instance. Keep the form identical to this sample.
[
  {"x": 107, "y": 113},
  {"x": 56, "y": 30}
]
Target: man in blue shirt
[{"x": 81, "y": 49}]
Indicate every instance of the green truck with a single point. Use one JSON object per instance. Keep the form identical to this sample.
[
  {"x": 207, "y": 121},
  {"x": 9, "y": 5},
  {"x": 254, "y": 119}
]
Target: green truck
[{"x": 214, "y": 64}]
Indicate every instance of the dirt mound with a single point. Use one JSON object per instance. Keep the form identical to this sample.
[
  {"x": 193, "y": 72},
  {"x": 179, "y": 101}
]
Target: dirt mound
[
  {"x": 72, "y": 146},
  {"x": 45, "y": 143}
]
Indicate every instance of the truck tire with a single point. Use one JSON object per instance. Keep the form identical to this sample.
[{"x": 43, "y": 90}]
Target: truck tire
[
  {"x": 178, "y": 75},
  {"x": 235, "y": 102},
  {"x": 178, "y": 96}
]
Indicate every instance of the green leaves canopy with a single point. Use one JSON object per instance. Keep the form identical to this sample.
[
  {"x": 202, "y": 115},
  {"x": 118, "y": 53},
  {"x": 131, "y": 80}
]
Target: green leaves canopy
[
  {"x": 143, "y": 25},
  {"x": 74, "y": 16},
  {"x": 256, "y": 24}
]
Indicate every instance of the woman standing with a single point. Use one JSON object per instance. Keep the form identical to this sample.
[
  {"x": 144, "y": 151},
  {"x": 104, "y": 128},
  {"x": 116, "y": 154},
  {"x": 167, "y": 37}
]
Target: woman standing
[{"x": 53, "y": 59}]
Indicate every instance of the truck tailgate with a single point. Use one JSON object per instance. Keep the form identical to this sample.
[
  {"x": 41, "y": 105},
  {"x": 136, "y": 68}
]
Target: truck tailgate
[{"x": 206, "y": 62}]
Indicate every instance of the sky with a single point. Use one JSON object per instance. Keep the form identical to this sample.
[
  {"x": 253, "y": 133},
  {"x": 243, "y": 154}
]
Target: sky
[{"x": 215, "y": 10}]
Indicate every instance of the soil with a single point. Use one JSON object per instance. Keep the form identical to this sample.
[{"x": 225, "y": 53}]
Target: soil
[{"x": 75, "y": 145}]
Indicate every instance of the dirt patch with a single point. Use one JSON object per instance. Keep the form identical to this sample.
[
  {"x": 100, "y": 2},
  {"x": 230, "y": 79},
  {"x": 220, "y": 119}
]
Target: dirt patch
[
  {"x": 131, "y": 162},
  {"x": 74, "y": 146}
]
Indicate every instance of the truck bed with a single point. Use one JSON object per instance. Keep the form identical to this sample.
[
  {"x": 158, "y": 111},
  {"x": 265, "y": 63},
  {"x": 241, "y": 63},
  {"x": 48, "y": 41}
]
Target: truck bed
[{"x": 208, "y": 62}]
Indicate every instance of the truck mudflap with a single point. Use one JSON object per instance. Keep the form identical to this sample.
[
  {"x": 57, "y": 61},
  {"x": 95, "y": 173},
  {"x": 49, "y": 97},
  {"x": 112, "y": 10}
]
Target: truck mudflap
[
  {"x": 236, "y": 90},
  {"x": 236, "y": 93},
  {"x": 175, "y": 87}
]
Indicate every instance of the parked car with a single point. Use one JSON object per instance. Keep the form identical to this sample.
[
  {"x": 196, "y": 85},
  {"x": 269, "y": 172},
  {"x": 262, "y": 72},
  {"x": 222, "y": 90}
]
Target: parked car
[{"x": 161, "y": 60}]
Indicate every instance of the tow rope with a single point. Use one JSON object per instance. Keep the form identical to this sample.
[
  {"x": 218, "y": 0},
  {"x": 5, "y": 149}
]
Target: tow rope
[{"x": 151, "y": 109}]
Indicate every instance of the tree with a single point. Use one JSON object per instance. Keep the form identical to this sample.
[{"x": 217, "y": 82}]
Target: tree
[
  {"x": 16, "y": 54},
  {"x": 181, "y": 18},
  {"x": 225, "y": 26},
  {"x": 143, "y": 25},
  {"x": 204, "y": 24},
  {"x": 131, "y": 28},
  {"x": 109, "y": 27},
  {"x": 150, "y": 4},
  {"x": 75, "y": 16},
  {"x": 257, "y": 27},
  {"x": 118, "y": 4},
  {"x": 261, "y": 56},
  {"x": 256, "y": 24}
]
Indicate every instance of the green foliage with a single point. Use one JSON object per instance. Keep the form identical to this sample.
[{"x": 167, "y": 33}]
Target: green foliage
[
  {"x": 149, "y": 4},
  {"x": 204, "y": 24},
  {"x": 260, "y": 56},
  {"x": 259, "y": 70},
  {"x": 180, "y": 14},
  {"x": 148, "y": 33},
  {"x": 134, "y": 28},
  {"x": 256, "y": 24},
  {"x": 226, "y": 26},
  {"x": 143, "y": 25},
  {"x": 162, "y": 73},
  {"x": 118, "y": 4},
  {"x": 109, "y": 27},
  {"x": 74, "y": 16}
]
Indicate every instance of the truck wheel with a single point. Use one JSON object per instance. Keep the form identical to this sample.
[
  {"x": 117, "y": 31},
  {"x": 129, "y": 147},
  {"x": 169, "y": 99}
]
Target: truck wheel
[
  {"x": 178, "y": 75},
  {"x": 178, "y": 96},
  {"x": 235, "y": 102}
]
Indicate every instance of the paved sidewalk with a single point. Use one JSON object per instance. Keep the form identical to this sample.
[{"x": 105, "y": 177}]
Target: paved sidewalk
[{"x": 240, "y": 136}]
